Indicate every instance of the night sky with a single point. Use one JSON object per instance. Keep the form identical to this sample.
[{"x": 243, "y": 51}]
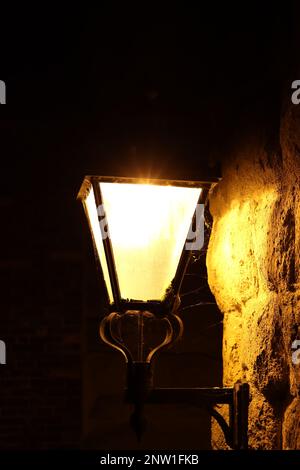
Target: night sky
[{"x": 161, "y": 91}]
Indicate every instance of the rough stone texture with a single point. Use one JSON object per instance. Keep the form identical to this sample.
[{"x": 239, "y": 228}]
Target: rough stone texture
[{"x": 253, "y": 271}]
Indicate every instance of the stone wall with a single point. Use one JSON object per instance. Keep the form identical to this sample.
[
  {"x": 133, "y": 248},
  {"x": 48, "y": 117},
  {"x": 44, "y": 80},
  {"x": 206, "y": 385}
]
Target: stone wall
[{"x": 253, "y": 271}]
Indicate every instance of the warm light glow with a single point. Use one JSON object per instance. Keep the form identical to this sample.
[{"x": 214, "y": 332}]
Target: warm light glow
[
  {"x": 236, "y": 253},
  {"x": 148, "y": 226}
]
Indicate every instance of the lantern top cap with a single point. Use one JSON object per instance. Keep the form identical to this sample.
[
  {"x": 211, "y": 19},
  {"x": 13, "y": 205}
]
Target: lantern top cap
[{"x": 89, "y": 180}]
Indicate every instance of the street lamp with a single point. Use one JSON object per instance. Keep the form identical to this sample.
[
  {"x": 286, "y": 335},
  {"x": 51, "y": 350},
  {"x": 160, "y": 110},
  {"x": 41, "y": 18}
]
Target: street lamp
[{"x": 144, "y": 234}]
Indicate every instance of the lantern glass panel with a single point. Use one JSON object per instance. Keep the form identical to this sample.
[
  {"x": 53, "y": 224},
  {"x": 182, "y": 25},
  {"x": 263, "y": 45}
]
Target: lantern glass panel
[
  {"x": 148, "y": 225},
  {"x": 92, "y": 214}
]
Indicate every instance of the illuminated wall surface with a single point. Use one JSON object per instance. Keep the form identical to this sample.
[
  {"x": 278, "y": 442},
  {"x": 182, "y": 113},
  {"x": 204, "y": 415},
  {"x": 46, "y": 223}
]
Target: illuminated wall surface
[
  {"x": 148, "y": 226},
  {"x": 252, "y": 263}
]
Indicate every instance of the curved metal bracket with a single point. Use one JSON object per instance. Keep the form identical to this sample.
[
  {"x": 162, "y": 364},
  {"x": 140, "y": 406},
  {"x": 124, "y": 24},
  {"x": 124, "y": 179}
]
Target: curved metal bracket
[
  {"x": 174, "y": 332},
  {"x": 227, "y": 431},
  {"x": 107, "y": 336},
  {"x": 236, "y": 431}
]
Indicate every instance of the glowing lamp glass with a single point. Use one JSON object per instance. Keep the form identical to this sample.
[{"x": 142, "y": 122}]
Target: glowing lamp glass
[{"x": 147, "y": 225}]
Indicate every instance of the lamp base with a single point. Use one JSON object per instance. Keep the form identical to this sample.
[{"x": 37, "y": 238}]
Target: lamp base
[{"x": 139, "y": 388}]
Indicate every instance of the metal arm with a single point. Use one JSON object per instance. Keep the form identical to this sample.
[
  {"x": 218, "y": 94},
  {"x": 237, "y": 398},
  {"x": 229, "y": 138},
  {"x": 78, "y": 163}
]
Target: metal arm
[{"x": 140, "y": 391}]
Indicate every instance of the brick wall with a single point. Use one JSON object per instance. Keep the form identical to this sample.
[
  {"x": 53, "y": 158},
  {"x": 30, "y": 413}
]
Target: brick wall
[{"x": 41, "y": 275}]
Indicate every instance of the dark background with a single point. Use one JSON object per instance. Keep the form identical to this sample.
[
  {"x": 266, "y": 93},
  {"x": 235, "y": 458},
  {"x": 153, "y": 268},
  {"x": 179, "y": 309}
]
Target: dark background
[{"x": 141, "y": 92}]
